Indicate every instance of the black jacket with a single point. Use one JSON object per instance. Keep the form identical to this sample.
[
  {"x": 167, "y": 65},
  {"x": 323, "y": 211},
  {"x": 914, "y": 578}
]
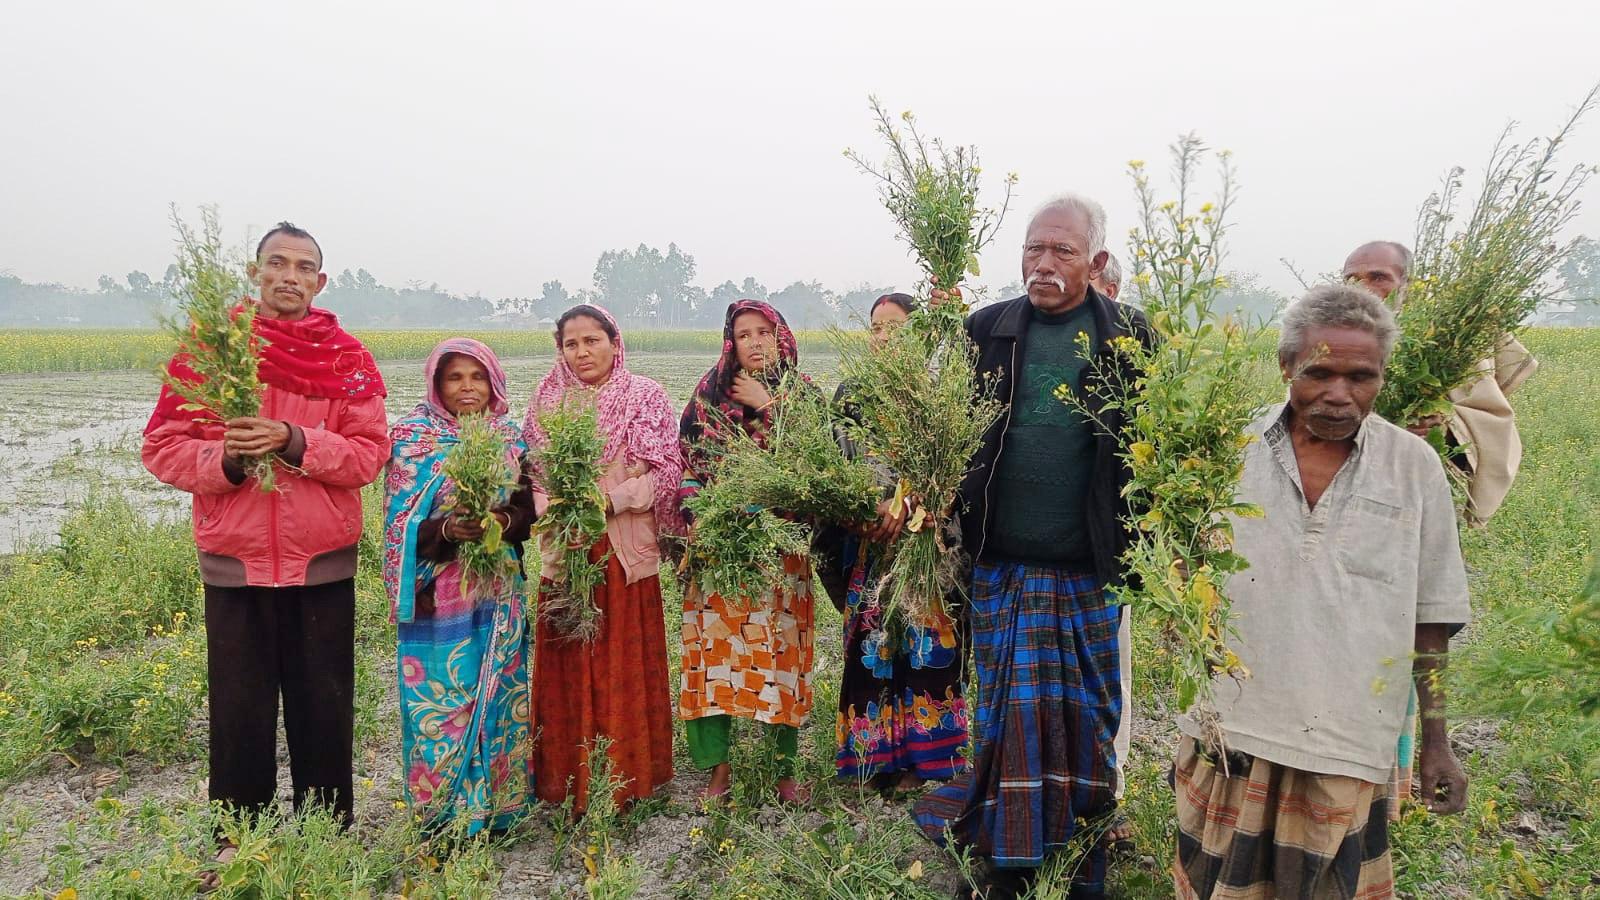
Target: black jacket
[{"x": 1001, "y": 334}]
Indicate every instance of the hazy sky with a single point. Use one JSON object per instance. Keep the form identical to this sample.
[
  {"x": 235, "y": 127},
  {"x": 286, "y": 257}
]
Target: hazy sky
[{"x": 491, "y": 146}]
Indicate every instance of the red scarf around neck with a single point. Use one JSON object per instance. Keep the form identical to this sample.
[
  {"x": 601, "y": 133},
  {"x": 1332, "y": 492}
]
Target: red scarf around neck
[{"x": 312, "y": 357}]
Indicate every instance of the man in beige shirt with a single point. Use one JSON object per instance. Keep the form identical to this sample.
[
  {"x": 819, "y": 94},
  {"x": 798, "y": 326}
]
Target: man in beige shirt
[{"x": 1355, "y": 583}]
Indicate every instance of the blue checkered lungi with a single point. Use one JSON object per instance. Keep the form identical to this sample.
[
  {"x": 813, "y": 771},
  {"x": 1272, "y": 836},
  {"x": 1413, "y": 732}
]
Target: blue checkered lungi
[{"x": 1048, "y": 697}]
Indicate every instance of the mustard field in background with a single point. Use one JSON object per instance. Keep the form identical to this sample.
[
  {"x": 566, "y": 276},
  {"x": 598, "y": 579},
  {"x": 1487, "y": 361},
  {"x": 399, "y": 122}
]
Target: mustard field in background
[{"x": 24, "y": 351}]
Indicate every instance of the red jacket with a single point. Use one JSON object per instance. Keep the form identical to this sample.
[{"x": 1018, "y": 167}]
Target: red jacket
[{"x": 305, "y": 531}]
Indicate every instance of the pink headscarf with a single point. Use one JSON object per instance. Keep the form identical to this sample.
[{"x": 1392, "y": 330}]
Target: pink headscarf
[
  {"x": 635, "y": 417},
  {"x": 499, "y": 402}
]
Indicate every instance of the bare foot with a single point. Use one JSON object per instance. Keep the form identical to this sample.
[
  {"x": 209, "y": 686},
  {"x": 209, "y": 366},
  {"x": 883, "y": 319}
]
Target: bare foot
[
  {"x": 1119, "y": 834},
  {"x": 721, "y": 778},
  {"x": 211, "y": 880},
  {"x": 790, "y": 793}
]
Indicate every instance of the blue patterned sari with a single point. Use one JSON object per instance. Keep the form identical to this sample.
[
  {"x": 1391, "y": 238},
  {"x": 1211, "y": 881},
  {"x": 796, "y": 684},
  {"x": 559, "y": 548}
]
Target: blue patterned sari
[{"x": 463, "y": 666}]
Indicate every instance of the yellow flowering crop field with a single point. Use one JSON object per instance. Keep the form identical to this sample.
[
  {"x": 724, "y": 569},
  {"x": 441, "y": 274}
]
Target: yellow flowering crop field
[{"x": 24, "y": 351}]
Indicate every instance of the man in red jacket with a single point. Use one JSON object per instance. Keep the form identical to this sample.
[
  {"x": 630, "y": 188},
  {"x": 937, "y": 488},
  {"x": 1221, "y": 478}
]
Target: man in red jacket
[{"x": 279, "y": 566}]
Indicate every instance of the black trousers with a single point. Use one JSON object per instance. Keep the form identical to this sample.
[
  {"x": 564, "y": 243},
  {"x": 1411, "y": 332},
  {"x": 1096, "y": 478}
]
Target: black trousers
[{"x": 299, "y": 641}]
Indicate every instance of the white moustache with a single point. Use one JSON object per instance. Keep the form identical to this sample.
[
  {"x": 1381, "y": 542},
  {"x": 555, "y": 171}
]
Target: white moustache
[{"x": 1035, "y": 278}]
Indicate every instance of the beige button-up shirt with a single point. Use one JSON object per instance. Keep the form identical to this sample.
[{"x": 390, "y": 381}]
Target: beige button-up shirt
[{"x": 1327, "y": 612}]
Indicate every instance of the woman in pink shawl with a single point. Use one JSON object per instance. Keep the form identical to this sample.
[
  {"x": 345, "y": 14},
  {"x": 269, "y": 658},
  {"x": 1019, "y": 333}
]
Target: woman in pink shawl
[{"x": 615, "y": 685}]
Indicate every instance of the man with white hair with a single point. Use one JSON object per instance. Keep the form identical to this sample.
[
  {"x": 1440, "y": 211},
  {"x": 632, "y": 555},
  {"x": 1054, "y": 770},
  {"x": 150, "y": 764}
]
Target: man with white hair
[
  {"x": 1042, "y": 519},
  {"x": 1109, "y": 281},
  {"x": 1354, "y": 569}
]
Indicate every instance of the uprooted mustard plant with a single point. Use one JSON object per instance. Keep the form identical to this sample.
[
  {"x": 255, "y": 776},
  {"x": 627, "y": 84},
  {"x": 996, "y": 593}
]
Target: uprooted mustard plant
[
  {"x": 214, "y": 332},
  {"x": 931, "y": 190},
  {"x": 1470, "y": 288},
  {"x": 760, "y": 500},
  {"x": 1186, "y": 397},
  {"x": 923, "y": 408},
  {"x": 484, "y": 477},
  {"x": 802, "y": 470}
]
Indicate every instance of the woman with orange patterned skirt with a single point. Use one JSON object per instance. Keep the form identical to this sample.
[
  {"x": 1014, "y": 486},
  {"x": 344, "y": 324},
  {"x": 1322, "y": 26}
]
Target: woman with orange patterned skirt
[{"x": 744, "y": 657}]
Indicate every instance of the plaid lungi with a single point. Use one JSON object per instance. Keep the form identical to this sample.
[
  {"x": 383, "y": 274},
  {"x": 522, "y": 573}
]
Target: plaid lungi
[
  {"x": 1267, "y": 831},
  {"x": 1048, "y": 699}
]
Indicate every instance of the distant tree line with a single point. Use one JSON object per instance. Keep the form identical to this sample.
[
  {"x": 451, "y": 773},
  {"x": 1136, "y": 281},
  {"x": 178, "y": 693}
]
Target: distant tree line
[{"x": 644, "y": 287}]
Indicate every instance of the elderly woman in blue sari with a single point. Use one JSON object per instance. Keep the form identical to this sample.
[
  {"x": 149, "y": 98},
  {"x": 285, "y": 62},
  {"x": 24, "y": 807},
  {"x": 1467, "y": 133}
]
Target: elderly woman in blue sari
[{"x": 463, "y": 649}]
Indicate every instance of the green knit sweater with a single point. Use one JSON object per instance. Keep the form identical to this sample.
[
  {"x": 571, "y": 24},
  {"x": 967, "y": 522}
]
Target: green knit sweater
[{"x": 1041, "y": 481}]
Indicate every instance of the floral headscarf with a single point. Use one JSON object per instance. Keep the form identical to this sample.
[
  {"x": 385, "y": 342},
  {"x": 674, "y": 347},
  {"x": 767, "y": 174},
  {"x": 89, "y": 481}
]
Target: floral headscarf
[
  {"x": 634, "y": 416},
  {"x": 713, "y": 409}
]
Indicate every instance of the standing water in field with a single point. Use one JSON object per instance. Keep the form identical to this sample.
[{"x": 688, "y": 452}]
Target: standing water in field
[{"x": 65, "y": 434}]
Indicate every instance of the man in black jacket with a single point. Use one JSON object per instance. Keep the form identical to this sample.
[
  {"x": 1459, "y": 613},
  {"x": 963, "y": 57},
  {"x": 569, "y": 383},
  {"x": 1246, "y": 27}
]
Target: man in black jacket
[{"x": 1042, "y": 521}]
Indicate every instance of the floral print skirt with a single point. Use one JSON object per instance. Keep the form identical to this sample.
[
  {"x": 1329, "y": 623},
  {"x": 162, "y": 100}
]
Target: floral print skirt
[
  {"x": 464, "y": 709},
  {"x": 900, "y": 701}
]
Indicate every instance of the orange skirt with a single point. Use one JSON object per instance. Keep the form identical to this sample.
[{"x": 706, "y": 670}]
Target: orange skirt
[
  {"x": 615, "y": 685},
  {"x": 750, "y": 661}
]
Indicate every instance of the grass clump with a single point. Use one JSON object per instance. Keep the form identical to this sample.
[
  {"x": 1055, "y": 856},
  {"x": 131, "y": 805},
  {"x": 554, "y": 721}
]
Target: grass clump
[
  {"x": 91, "y": 662},
  {"x": 836, "y": 858},
  {"x": 569, "y": 472},
  {"x": 159, "y": 853}
]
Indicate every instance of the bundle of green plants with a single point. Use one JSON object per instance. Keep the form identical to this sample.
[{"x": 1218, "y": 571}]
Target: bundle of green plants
[
  {"x": 484, "y": 476},
  {"x": 1474, "y": 282},
  {"x": 924, "y": 421},
  {"x": 570, "y": 470},
  {"x": 922, "y": 407},
  {"x": 802, "y": 469},
  {"x": 214, "y": 333},
  {"x": 931, "y": 190},
  {"x": 738, "y": 547},
  {"x": 1186, "y": 398},
  {"x": 765, "y": 499}
]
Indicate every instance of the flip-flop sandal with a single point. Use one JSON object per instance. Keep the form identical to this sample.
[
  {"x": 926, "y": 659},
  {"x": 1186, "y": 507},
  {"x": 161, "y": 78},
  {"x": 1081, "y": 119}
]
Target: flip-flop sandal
[{"x": 1123, "y": 846}]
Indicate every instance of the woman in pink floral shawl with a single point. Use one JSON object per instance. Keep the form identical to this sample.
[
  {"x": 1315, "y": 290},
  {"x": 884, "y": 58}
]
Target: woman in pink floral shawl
[{"x": 616, "y": 684}]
